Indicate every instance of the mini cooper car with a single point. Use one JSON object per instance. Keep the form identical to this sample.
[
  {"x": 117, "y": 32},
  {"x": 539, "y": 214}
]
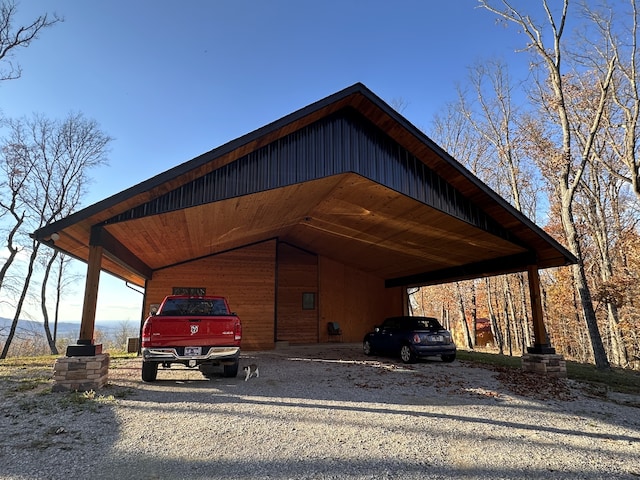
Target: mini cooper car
[{"x": 411, "y": 338}]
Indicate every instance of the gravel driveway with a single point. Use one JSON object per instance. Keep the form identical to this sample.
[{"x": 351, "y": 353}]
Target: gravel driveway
[{"x": 322, "y": 412}]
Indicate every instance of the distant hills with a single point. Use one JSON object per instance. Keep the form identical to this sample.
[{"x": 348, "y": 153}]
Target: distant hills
[{"x": 65, "y": 329}]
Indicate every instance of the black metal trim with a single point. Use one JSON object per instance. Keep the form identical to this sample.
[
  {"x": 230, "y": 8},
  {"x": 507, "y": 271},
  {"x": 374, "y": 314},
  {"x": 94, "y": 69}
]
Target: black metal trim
[
  {"x": 345, "y": 142},
  {"x": 486, "y": 268}
]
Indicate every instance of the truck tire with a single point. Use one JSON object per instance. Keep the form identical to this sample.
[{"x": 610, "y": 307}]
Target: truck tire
[
  {"x": 207, "y": 369},
  {"x": 231, "y": 370},
  {"x": 149, "y": 371}
]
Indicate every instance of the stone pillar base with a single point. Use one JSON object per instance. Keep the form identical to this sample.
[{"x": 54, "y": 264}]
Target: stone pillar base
[
  {"x": 81, "y": 373},
  {"x": 546, "y": 364}
]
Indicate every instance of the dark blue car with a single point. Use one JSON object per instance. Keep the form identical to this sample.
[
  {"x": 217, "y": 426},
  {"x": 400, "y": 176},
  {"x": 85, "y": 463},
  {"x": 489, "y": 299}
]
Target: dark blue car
[{"x": 411, "y": 338}]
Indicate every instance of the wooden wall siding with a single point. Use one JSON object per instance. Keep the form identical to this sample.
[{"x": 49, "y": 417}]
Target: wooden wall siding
[
  {"x": 297, "y": 273},
  {"x": 247, "y": 277},
  {"x": 343, "y": 142},
  {"x": 354, "y": 299}
]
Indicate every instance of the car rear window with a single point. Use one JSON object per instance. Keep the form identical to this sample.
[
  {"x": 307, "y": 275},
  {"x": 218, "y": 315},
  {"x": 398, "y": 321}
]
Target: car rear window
[{"x": 426, "y": 324}]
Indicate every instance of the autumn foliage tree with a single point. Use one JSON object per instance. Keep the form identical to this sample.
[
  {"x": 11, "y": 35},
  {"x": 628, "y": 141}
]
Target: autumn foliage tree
[{"x": 564, "y": 139}]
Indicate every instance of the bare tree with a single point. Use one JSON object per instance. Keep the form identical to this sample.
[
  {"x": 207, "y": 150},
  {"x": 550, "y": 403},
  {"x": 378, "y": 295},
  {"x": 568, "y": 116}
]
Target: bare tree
[
  {"x": 566, "y": 167},
  {"x": 614, "y": 34},
  {"x": 12, "y": 37},
  {"x": 16, "y": 168},
  {"x": 64, "y": 280},
  {"x": 62, "y": 153}
]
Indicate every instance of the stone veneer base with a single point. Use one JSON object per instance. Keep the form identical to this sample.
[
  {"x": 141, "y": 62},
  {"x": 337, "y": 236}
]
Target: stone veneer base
[
  {"x": 546, "y": 364},
  {"x": 81, "y": 373}
]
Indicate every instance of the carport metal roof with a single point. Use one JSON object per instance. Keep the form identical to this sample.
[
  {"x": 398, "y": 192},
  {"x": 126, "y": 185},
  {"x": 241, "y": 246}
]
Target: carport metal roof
[{"x": 346, "y": 177}]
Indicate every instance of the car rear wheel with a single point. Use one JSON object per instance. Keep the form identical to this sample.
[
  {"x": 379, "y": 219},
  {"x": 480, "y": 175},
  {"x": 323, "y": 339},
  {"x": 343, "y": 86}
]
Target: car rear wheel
[
  {"x": 449, "y": 357},
  {"x": 367, "y": 348},
  {"x": 406, "y": 354},
  {"x": 231, "y": 370},
  {"x": 149, "y": 371}
]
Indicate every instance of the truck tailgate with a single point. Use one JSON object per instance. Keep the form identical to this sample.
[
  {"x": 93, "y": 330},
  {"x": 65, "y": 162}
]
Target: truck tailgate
[{"x": 192, "y": 331}]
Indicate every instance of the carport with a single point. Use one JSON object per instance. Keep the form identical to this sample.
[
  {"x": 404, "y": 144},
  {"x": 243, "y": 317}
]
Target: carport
[{"x": 343, "y": 201}]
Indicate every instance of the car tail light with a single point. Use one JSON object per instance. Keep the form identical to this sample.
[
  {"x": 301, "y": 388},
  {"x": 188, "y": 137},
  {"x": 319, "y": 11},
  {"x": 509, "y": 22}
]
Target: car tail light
[
  {"x": 146, "y": 333},
  {"x": 237, "y": 331},
  {"x": 416, "y": 338}
]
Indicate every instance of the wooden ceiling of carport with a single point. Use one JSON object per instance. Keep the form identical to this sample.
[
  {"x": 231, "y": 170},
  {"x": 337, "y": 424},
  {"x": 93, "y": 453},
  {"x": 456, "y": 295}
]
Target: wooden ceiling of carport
[{"x": 345, "y": 217}]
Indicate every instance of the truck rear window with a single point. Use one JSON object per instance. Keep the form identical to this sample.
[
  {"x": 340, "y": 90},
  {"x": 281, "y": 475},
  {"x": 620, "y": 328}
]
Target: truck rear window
[{"x": 193, "y": 306}]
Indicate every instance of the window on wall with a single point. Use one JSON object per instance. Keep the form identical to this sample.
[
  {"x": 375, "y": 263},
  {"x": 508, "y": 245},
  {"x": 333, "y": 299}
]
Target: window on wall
[
  {"x": 195, "y": 291},
  {"x": 308, "y": 301}
]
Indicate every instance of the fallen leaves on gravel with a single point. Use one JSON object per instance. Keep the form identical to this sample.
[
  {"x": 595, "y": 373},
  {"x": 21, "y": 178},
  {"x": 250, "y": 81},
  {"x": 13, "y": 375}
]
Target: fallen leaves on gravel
[{"x": 533, "y": 385}]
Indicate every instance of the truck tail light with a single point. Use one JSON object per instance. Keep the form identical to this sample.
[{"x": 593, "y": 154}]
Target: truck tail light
[
  {"x": 237, "y": 331},
  {"x": 146, "y": 333}
]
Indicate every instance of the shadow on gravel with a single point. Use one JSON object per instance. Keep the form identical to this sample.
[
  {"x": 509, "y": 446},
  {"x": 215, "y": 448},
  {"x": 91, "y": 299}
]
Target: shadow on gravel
[
  {"x": 339, "y": 378},
  {"x": 329, "y": 412},
  {"x": 320, "y": 412},
  {"x": 317, "y": 469},
  {"x": 42, "y": 432}
]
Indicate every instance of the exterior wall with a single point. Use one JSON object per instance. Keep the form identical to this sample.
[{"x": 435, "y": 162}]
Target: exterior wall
[
  {"x": 354, "y": 299},
  {"x": 297, "y": 274},
  {"x": 246, "y": 277},
  {"x": 252, "y": 283}
]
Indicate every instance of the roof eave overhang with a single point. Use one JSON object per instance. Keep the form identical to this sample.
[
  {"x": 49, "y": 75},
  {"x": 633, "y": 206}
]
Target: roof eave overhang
[
  {"x": 545, "y": 250},
  {"x": 505, "y": 265}
]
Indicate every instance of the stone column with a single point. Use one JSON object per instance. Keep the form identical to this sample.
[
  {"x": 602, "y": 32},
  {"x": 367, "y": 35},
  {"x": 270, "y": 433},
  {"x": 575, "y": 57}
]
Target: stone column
[
  {"x": 546, "y": 364},
  {"x": 81, "y": 373}
]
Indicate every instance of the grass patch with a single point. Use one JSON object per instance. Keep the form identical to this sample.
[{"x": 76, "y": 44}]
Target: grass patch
[
  {"x": 615, "y": 379},
  {"x": 489, "y": 359},
  {"x": 26, "y": 374},
  {"x": 89, "y": 400}
]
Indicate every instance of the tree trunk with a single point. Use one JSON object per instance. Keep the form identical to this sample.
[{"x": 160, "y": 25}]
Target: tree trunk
[
  {"x": 13, "y": 250},
  {"x": 474, "y": 313},
  {"x": 23, "y": 296},
  {"x": 507, "y": 324},
  {"x": 510, "y": 305},
  {"x": 495, "y": 328},
  {"x": 43, "y": 304},
  {"x": 618, "y": 347},
  {"x": 463, "y": 318},
  {"x": 56, "y": 315},
  {"x": 582, "y": 287},
  {"x": 524, "y": 305}
]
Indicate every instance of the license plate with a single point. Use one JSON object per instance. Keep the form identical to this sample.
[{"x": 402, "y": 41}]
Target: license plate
[
  {"x": 192, "y": 351},
  {"x": 436, "y": 338}
]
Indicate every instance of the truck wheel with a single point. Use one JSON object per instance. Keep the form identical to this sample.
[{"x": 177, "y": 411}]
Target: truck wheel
[
  {"x": 231, "y": 370},
  {"x": 207, "y": 370},
  {"x": 149, "y": 371}
]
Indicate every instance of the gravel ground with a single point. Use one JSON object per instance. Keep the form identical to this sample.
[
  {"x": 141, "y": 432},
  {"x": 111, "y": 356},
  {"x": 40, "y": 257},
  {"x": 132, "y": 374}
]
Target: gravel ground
[{"x": 322, "y": 412}]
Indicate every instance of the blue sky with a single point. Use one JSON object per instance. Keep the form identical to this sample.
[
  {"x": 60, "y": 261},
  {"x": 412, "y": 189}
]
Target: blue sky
[{"x": 170, "y": 80}]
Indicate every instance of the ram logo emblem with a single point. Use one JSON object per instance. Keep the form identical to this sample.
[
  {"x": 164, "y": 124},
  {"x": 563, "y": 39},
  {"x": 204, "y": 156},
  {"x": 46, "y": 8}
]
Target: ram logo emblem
[{"x": 194, "y": 329}]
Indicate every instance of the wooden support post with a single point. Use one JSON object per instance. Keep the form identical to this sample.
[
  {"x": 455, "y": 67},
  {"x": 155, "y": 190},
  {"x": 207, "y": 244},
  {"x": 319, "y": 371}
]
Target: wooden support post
[
  {"x": 91, "y": 294},
  {"x": 541, "y": 340},
  {"x": 85, "y": 345}
]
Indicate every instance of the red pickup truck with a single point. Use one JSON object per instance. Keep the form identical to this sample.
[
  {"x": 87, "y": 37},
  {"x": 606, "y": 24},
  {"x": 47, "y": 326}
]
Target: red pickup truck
[{"x": 193, "y": 331}]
